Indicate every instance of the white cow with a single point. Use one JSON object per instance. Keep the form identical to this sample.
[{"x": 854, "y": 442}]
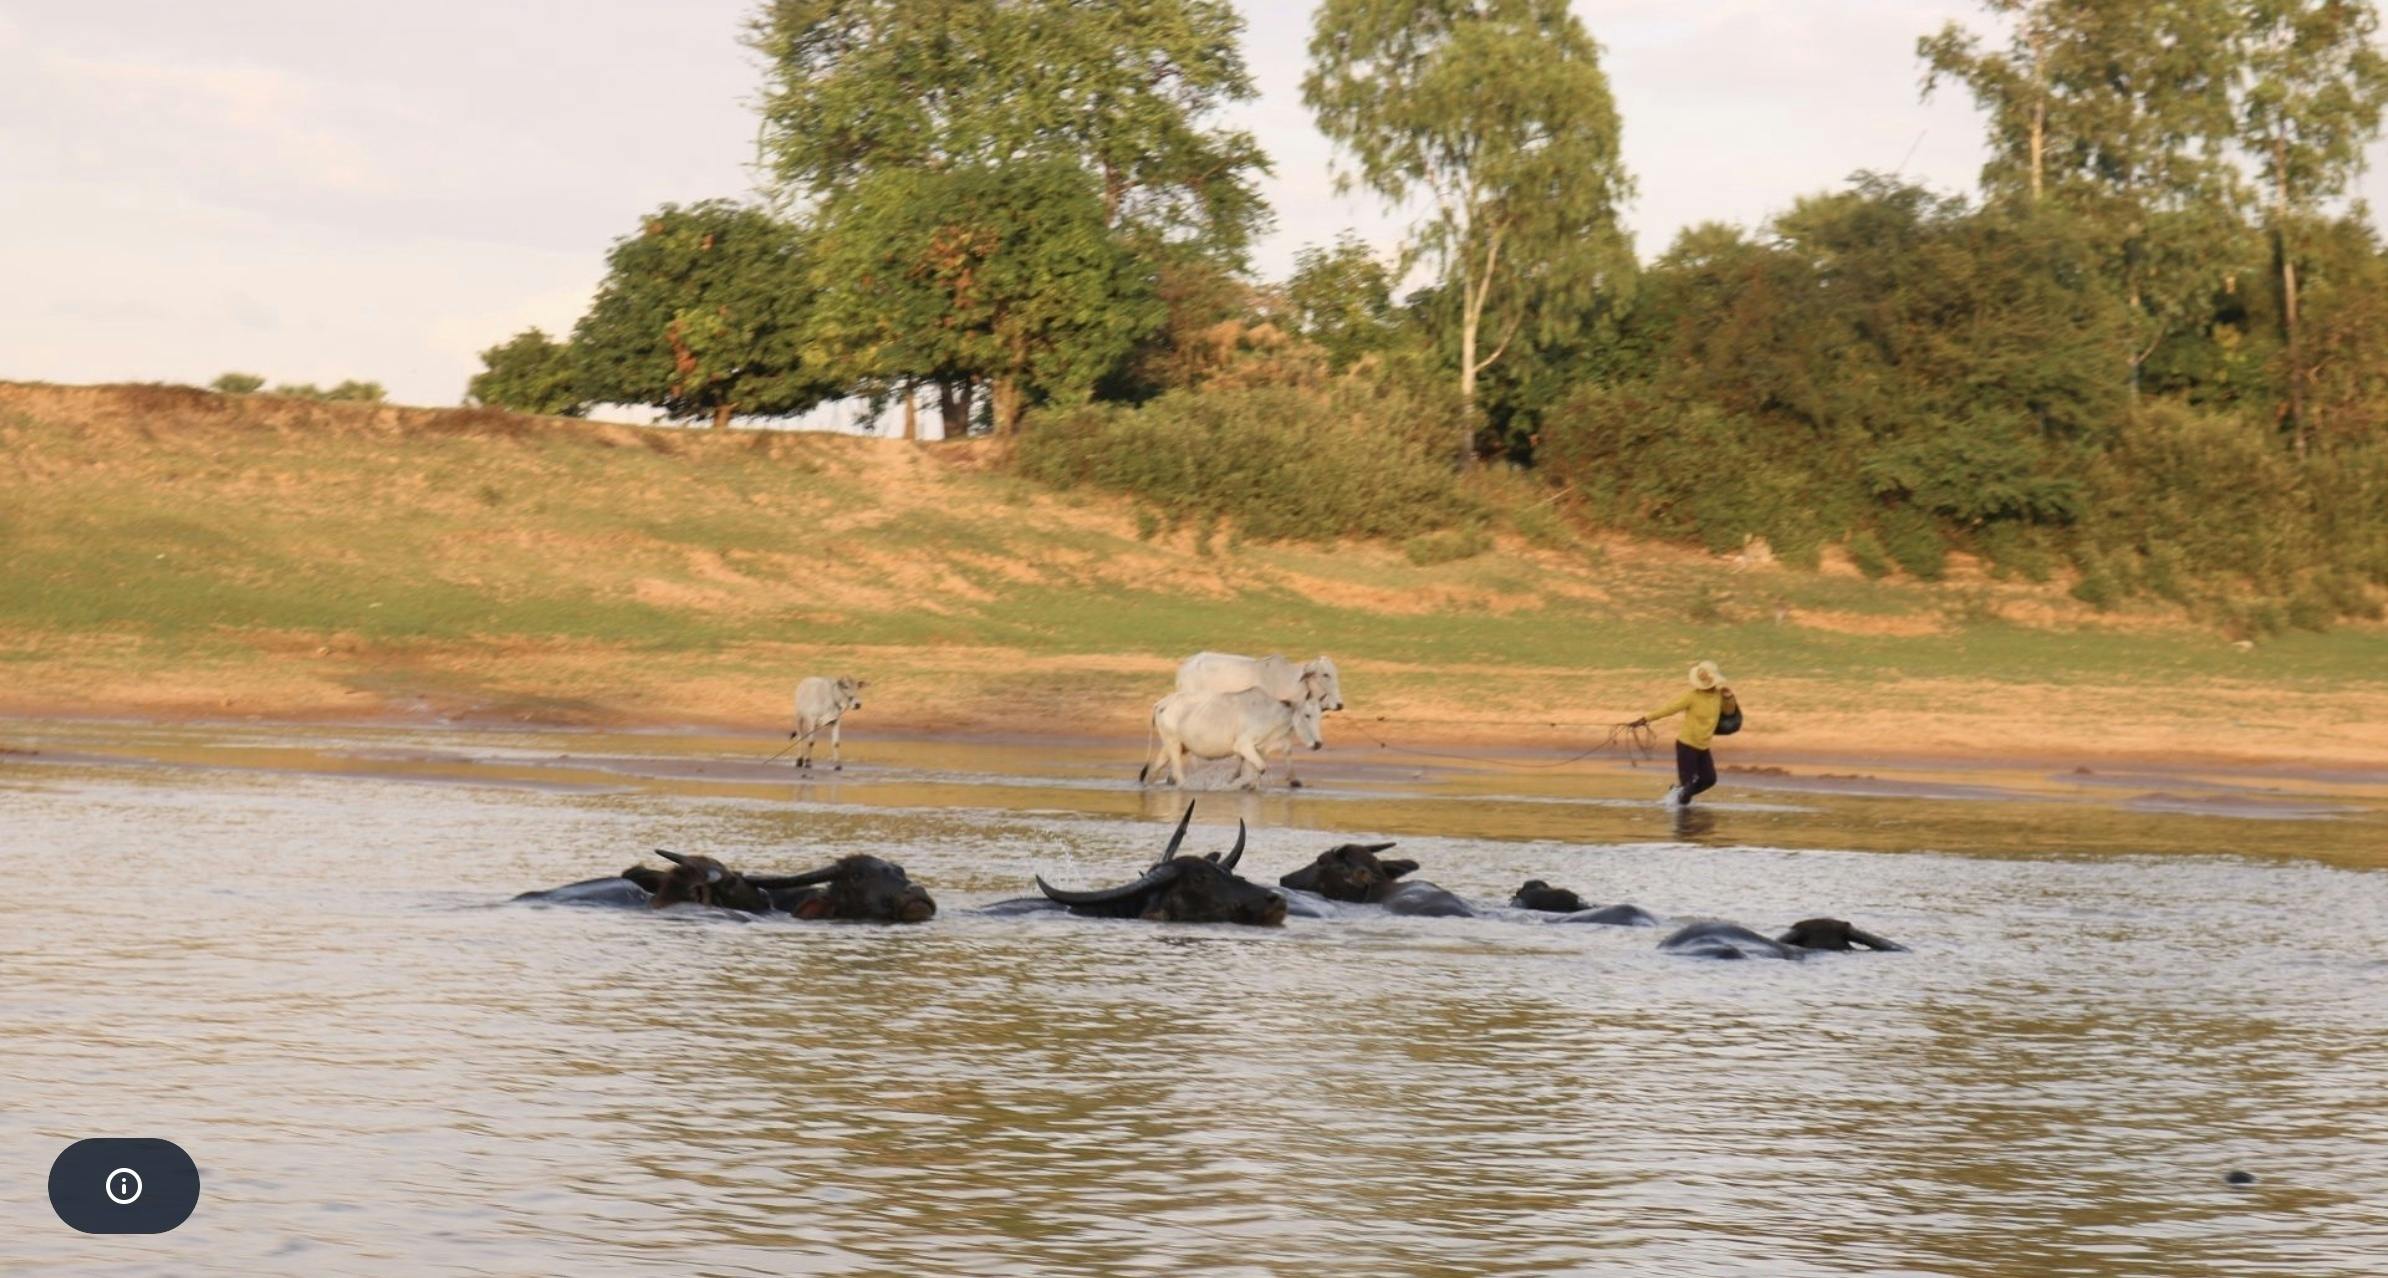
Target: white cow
[
  {"x": 1219, "y": 725},
  {"x": 823, "y": 703},
  {"x": 1315, "y": 680},
  {"x": 1285, "y": 680}
]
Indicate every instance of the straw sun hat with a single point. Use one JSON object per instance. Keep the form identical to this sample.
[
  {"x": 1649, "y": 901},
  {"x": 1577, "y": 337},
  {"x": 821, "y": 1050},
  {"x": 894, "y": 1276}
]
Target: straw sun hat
[{"x": 1706, "y": 677}]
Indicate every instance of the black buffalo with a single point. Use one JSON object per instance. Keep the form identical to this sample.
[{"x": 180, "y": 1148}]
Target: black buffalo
[
  {"x": 1538, "y": 895},
  {"x": 853, "y": 888},
  {"x": 1354, "y": 873},
  {"x": 1180, "y": 889},
  {"x": 1732, "y": 941},
  {"x": 856, "y": 889},
  {"x": 1542, "y": 898}
]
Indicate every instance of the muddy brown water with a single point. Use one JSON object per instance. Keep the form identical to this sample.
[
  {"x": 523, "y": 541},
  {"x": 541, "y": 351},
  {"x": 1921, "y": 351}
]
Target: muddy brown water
[{"x": 287, "y": 951}]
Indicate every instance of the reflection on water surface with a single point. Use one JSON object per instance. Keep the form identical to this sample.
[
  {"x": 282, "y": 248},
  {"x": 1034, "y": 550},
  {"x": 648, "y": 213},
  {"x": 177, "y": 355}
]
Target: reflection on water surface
[{"x": 296, "y": 971}]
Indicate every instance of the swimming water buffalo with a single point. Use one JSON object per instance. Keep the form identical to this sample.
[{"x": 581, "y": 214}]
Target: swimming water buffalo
[
  {"x": 1353, "y": 873},
  {"x": 857, "y": 888},
  {"x": 1538, "y": 895},
  {"x": 863, "y": 889},
  {"x": 823, "y": 703},
  {"x": 1542, "y": 898},
  {"x": 1180, "y": 889},
  {"x": 1808, "y": 936}
]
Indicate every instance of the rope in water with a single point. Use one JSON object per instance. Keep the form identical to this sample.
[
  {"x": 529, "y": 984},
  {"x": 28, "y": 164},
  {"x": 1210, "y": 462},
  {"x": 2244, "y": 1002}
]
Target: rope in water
[{"x": 1640, "y": 744}]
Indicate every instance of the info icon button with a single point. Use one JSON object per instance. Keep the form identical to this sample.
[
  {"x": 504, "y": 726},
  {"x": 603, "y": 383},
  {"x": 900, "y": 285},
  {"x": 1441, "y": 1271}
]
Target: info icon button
[{"x": 124, "y": 1185}]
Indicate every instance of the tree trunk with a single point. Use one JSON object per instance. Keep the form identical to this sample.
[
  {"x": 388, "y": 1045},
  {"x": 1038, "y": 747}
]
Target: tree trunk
[
  {"x": 2039, "y": 112},
  {"x": 721, "y": 414},
  {"x": 953, "y": 407},
  {"x": 1008, "y": 402},
  {"x": 911, "y": 413},
  {"x": 2296, "y": 354},
  {"x": 2298, "y": 426},
  {"x": 1471, "y": 317}
]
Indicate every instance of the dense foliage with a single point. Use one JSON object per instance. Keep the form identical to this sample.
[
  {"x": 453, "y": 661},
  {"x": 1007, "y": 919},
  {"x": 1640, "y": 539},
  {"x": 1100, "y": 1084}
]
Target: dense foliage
[
  {"x": 529, "y": 373},
  {"x": 2149, "y": 357}
]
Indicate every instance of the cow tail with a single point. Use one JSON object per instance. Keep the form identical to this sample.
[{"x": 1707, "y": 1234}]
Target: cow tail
[{"x": 1152, "y": 729}]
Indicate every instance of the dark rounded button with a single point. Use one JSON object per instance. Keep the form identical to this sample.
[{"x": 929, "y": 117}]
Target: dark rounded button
[{"x": 124, "y": 1185}]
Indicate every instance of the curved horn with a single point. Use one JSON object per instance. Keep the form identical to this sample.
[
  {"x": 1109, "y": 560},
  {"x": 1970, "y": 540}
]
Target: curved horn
[
  {"x": 1376, "y": 847},
  {"x": 1179, "y": 837},
  {"x": 806, "y": 879},
  {"x": 1153, "y": 878},
  {"x": 1237, "y": 854},
  {"x": 713, "y": 872}
]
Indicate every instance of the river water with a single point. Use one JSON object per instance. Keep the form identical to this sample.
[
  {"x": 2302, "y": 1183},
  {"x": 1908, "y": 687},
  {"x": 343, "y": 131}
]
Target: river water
[{"x": 290, "y": 956}]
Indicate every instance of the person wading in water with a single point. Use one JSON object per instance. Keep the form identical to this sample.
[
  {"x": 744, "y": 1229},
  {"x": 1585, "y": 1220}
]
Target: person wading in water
[{"x": 1702, "y": 708}]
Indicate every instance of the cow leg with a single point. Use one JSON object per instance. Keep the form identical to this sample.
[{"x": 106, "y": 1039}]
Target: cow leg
[
  {"x": 837, "y": 762},
  {"x": 1255, "y": 767},
  {"x": 1292, "y": 782},
  {"x": 804, "y": 753},
  {"x": 1177, "y": 765}
]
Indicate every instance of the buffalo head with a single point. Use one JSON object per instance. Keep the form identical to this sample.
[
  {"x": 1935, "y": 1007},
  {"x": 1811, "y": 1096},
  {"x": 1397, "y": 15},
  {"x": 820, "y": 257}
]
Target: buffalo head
[
  {"x": 1538, "y": 895},
  {"x": 1182, "y": 889},
  {"x": 863, "y": 889},
  {"x": 697, "y": 880},
  {"x": 1833, "y": 934},
  {"x": 1350, "y": 872}
]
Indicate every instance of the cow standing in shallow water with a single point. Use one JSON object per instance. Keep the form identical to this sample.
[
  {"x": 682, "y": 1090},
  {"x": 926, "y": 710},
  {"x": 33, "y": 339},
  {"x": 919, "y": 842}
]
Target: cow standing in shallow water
[
  {"x": 1314, "y": 680},
  {"x": 823, "y": 703},
  {"x": 1217, "y": 725}
]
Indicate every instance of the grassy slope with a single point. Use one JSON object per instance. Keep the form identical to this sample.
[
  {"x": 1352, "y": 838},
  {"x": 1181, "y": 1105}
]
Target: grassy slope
[{"x": 164, "y": 551}]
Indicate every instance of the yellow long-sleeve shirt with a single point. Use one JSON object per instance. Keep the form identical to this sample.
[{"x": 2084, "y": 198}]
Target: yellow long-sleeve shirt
[{"x": 1700, "y": 710}]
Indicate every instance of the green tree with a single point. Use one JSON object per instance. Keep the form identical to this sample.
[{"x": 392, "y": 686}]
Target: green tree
[
  {"x": 237, "y": 384},
  {"x": 353, "y": 391},
  {"x": 1497, "y": 113},
  {"x": 2314, "y": 86},
  {"x": 1342, "y": 299},
  {"x": 702, "y": 314},
  {"x": 1126, "y": 90},
  {"x": 529, "y": 373},
  {"x": 2116, "y": 112},
  {"x": 1003, "y": 277}
]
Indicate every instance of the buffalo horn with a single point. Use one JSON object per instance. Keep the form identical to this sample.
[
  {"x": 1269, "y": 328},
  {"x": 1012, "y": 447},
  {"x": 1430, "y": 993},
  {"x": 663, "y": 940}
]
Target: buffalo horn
[
  {"x": 712, "y": 872},
  {"x": 806, "y": 879},
  {"x": 1157, "y": 876},
  {"x": 1237, "y": 853},
  {"x": 1180, "y": 836}
]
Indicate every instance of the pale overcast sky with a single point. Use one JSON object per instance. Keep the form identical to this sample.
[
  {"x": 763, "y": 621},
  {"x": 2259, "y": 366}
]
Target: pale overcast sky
[{"x": 315, "y": 190}]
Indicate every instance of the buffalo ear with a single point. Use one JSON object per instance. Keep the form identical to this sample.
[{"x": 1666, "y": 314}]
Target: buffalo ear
[
  {"x": 646, "y": 876},
  {"x": 1395, "y": 869},
  {"x": 1304, "y": 879}
]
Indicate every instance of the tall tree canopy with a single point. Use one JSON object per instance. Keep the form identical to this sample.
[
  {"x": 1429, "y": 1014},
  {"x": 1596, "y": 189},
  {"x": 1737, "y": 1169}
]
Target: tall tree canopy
[
  {"x": 2115, "y": 113},
  {"x": 701, "y": 314},
  {"x": 1126, "y": 89},
  {"x": 1003, "y": 276},
  {"x": 1497, "y": 113},
  {"x": 2314, "y": 86}
]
